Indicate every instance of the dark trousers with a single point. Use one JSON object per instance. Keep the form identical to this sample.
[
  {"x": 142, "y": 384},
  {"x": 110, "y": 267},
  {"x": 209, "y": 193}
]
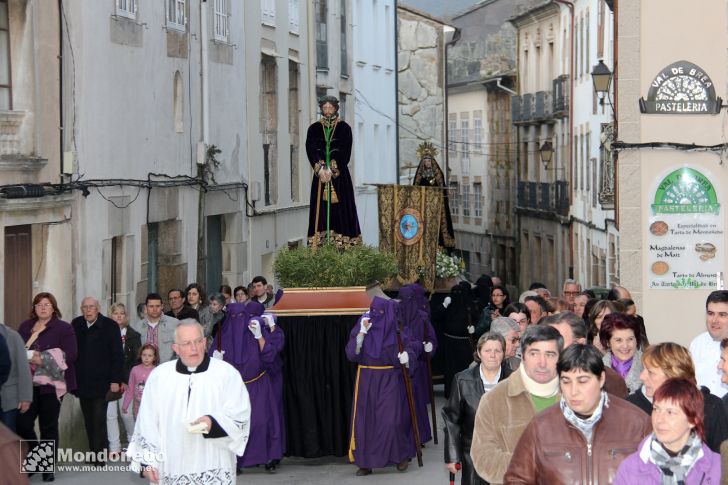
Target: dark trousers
[
  {"x": 45, "y": 407},
  {"x": 8, "y": 418},
  {"x": 94, "y": 417}
]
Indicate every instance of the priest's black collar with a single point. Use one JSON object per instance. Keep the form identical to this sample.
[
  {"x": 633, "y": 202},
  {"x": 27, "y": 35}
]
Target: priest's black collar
[{"x": 182, "y": 369}]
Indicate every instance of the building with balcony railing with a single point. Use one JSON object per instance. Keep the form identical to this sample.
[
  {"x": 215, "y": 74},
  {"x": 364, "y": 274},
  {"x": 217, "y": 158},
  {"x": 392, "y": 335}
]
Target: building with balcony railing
[
  {"x": 540, "y": 115},
  {"x": 481, "y": 142},
  {"x": 596, "y": 238}
]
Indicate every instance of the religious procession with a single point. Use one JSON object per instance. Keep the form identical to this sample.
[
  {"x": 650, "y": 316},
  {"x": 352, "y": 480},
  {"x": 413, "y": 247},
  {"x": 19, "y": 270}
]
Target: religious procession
[{"x": 542, "y": 389}]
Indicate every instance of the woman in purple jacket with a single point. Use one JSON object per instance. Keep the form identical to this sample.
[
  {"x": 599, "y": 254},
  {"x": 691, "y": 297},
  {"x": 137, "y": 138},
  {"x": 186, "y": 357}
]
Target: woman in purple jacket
[
  {"x": 675, "y": 453},
  {"x": 44, "y": 331}
]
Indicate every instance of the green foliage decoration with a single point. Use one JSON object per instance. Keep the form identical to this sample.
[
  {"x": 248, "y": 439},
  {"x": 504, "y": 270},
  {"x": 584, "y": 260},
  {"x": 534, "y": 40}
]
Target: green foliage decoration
[{"x": 328, "y": 267}]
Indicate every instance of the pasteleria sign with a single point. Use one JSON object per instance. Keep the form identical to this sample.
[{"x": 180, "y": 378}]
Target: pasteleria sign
[
  {"x": 685, "y": 233},
  {"x": 681, "y": 88}
]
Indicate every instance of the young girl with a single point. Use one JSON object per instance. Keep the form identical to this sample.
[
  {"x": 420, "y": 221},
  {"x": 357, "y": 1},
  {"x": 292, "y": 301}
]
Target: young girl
[{"x": 138, "y": 376}]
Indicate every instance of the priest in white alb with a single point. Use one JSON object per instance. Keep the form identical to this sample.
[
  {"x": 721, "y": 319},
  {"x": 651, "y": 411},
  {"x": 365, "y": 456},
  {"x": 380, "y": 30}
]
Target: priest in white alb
[{"x": 194, "y": 416}]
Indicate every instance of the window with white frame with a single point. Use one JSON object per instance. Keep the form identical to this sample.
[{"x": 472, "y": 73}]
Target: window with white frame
[
  {"x": 222, "y": 22},
  {"x": 6, "y": 100},
  {"x": 478, "y": 200},
  {"x": 294, "y": 16},
  {"x": 454, "y": 195},
  {"x": 466, "y": 200},
  {"x": 464, "y": 135},
  {"x": 126, "y": 8},
  {"x": 268, "y": 12},
  {"x": 176, "y": 14},
  {"x": 478, "y": 134},
  {"x": 452, "y": 134}
]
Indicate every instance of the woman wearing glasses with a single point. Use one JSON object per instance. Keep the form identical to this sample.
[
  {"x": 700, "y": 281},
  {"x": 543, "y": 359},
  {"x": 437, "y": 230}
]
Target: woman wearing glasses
[
  {"x": 467, "y": 389},
  {"x": 499, "y": 300},
  {"x": 51, "y": 345}
]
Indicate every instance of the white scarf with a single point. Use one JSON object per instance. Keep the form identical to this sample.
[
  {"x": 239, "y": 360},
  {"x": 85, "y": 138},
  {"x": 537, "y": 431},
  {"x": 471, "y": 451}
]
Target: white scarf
[{"x": 549, "y": 389}]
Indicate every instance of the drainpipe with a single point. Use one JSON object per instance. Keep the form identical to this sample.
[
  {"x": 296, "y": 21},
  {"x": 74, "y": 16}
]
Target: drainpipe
[
  {"x": 396, "y": 86},
  {"x": 202, "y": 147},
  {"x": 615, "y": 110},
  {"x": 446, "y": 149},
  {"x": 61, "y": 134},
  {"x": 570, "y": 6},
  {"x": 205, "y": 75}
]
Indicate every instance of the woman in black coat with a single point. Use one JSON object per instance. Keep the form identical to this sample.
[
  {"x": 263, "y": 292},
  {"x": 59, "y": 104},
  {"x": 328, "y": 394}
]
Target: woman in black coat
[
  {"x": 666, "y": 360},
  {"x": 467, "y": 389}
]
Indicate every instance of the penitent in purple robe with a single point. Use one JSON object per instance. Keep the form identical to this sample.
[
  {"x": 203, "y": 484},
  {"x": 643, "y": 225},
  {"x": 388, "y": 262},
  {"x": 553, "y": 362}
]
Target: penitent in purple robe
[
  {"x": 381, "y": 431},
  {"x": 243, "y": 352},
  {"x": 421, "y": 330},
  {"x": 277, "y": 339}
]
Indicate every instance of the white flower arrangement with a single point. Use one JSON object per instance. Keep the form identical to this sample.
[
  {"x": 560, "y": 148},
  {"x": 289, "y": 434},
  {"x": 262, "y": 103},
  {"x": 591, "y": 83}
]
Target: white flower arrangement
[{"x": 447, "y": 266}]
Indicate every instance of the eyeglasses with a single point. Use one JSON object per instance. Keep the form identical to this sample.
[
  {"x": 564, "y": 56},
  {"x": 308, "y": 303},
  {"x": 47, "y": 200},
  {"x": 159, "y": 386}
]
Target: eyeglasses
[
  {"x": 189, "y": 344},
  {"x": 43, "y": 305},
  {"x": 571, "y": 293},
  {"x": 88, "y": 307}
]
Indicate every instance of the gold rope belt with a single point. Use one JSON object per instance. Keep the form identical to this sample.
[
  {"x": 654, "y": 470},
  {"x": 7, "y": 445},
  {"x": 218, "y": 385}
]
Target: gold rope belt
[
  {"x": 255, "y": 378},
  {"x": 352, "y": 443}
]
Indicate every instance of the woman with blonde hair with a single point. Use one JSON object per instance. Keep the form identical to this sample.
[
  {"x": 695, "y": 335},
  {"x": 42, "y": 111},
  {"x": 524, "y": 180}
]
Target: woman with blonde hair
[
  {"x": 131, "y": 341},
  {"x": 670, "y": 360}
]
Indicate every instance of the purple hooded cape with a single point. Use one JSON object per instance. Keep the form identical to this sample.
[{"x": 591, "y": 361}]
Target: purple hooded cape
[
  {"x": 276, "y": 339},
  {"x": 381, "y": 430},
  {"x": 243, "y": 352},
  {"x": 420, "y": 328}
]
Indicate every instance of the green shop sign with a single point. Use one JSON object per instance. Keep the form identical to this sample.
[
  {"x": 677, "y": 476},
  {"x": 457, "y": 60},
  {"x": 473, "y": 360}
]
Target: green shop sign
[{"x": 686, "y": 191}]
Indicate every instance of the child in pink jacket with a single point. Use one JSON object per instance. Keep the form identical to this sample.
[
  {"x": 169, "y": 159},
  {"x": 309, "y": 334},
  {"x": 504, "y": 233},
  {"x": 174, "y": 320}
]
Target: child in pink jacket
[{"x": 138, "y": 376}]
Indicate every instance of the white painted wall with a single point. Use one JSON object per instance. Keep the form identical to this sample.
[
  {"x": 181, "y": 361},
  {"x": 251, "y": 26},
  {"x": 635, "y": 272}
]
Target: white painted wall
[
  {"x": 375, "y": 108},
  {"x": 587, "y": 124},
  {"x": 124, "y": 126}
]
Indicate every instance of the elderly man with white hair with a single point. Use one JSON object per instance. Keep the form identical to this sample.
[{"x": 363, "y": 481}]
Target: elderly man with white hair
[
  {"x": 194, "y": 416},
  {"x": 99, "y": 370}
]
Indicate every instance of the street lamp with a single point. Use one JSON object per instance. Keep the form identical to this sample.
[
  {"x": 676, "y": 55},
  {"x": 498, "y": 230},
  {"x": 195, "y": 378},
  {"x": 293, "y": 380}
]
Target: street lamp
[
  {"x": 602, "y": 77},
  {"x": 547, "y": 153}
]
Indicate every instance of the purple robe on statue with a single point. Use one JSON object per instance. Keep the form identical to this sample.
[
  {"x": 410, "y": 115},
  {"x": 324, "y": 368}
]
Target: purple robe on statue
[
  {"x": 243, "y": 352},
  {"x": 381, "y": 431},
  {"x": 421, "y": 330}
]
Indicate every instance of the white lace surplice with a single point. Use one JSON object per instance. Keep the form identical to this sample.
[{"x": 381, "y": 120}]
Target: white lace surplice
[{"x": 173, "y": 399}]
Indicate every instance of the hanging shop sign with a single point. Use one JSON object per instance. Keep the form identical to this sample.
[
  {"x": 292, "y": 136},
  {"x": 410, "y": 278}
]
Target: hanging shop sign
[
  {"x": 685, "y": 236},
  {"x": 681, "y": 88}
]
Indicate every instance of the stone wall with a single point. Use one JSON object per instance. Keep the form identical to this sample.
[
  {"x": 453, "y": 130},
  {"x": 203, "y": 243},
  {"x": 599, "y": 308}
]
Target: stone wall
[{"x": 421, "y": 84}]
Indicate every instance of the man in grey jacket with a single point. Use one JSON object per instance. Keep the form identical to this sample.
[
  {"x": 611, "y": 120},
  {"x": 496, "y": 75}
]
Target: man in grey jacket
[
  {"x": 17, "y": 392},
  {"x": 157, "y": 328}
]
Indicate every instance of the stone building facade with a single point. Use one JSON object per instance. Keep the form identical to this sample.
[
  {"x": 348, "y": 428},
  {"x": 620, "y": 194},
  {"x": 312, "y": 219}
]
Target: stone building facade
[
  {"x": 421, "y": 86},
  {"x": 481, "y": 143},
  {"x": 541, "y": 114}
]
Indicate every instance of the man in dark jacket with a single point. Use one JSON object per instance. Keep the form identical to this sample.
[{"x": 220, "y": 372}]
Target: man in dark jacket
[
  {"x": 177, "y": 307},
  {"x": 99, "y": 369},
  {"x": 586, "y": 437}
]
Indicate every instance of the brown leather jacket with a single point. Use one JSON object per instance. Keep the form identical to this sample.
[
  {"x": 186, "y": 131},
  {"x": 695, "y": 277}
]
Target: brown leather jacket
[{"x": 552, "y": 451}]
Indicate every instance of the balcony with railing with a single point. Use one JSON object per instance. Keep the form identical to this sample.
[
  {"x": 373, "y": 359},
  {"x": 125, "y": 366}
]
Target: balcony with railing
[
  {"x": 532, "y": 108},
  {"x": 560, "y": 98},
  {"x": 544, "y": 196}
]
